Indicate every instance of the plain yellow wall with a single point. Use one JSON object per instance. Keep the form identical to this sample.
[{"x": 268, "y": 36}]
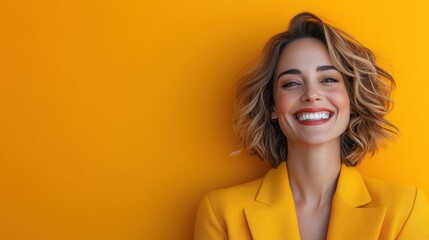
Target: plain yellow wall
[{"x": 116, "y": 115}]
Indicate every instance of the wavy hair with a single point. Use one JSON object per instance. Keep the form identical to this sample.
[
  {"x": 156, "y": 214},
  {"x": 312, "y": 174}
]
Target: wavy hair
[{"x": 368, "y": 86}]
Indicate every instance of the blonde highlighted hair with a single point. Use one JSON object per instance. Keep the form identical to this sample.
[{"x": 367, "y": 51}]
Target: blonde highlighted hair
[{"x": 368, "y": 86}]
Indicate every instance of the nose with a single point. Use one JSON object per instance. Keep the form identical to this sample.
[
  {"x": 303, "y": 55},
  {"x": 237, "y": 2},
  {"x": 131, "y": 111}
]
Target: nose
[{"x": 311, "y": 94}]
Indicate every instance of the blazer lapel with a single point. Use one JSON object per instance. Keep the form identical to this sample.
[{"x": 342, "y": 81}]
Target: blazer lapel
[
  {"x": 350, "y": 219},
  {"x": 276, "y": 217}
]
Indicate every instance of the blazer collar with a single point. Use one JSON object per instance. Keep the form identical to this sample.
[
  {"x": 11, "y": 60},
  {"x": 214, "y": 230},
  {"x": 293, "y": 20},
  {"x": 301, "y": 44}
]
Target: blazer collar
[
  {"x": 349, "y": 218},
  {"x": 277, "y": 219}
]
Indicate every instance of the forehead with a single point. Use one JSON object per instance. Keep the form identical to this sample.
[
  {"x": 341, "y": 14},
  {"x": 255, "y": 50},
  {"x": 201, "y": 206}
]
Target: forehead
[{"x": 303, "y": 54}]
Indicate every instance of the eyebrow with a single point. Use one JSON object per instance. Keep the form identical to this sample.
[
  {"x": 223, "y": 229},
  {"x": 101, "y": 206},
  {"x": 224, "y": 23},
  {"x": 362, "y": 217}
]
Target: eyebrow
[{"x": 296, "y": 71}]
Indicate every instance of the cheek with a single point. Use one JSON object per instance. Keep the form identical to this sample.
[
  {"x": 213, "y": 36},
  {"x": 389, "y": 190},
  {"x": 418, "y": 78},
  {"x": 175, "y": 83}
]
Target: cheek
[
  {"x": 342, "y": 100},
  {"x": 283, "y": 102}
]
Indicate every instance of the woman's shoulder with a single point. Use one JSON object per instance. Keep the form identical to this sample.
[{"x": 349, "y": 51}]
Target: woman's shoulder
[
  {"x": 240, "y": 193},
  {"x": 220, "y": 212},
  {"x": 384, "y": 188},
  {"x": 399, "y": 199},
  {"x": 265, "y": 190},
  {"x": 405, "y": 205},
  {"x": 390, "y": 192}
]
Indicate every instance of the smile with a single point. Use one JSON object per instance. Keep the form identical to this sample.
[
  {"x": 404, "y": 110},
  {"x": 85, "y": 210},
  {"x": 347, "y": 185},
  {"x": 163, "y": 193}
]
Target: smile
[{"x": 313, "y": 116}]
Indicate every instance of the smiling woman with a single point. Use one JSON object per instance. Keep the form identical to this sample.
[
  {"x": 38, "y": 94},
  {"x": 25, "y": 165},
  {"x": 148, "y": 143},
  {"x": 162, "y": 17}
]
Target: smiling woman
[
  {"x": 313, "y": 107},
  {"x": 309, "y": 91}
]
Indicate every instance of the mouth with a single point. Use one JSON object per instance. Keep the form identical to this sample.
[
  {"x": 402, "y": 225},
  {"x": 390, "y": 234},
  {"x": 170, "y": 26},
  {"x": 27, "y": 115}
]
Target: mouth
[{"x": 313, "y": 115}]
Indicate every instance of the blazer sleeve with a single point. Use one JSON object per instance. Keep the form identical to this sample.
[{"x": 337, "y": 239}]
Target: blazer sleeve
[
  {"x": 417, "y": 223},
  {"x": 207, "y": 225}
]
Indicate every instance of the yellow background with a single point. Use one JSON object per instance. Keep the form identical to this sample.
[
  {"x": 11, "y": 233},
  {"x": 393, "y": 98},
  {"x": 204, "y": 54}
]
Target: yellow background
[{"x": 116, "y": 115}]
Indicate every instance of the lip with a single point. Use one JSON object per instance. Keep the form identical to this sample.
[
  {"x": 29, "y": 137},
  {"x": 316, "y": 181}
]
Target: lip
[{"x": 312, "y": 110}]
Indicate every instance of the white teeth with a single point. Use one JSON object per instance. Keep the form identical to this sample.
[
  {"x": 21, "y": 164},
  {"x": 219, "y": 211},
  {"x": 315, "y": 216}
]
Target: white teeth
[{"x": 313, "y": 116}]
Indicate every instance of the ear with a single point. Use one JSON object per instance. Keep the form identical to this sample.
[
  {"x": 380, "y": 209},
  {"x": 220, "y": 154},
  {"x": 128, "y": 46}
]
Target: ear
[{"x": 273, "y": 114}]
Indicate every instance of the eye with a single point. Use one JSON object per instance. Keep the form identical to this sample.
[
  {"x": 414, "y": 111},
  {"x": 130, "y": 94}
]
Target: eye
[
  {"x": 329, "y": 80},
  {"x": 290, "y": 84}
]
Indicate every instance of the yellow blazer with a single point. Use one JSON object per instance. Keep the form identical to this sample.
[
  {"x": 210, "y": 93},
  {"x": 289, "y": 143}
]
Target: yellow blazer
[{"x": 362, "y": 208}]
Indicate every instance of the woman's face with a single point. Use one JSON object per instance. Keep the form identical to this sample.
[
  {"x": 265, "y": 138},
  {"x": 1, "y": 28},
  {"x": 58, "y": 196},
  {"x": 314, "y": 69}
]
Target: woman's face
[{"x": 311, "y": 101}]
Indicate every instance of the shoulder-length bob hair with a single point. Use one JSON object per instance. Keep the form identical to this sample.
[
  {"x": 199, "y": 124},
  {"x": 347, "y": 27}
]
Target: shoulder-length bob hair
[{"x": 368, "y": 86}]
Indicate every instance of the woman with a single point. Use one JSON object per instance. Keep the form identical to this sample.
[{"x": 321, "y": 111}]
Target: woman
[{"x": 314, "y": 106}]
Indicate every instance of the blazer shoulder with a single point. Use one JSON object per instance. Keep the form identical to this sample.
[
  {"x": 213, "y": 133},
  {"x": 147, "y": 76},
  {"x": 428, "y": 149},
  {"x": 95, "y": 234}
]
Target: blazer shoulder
[
  {"x": 396, "y": 196},
  {"x": 400, "y": 201},
  {"x": 221, "y": 212},
  {"x": 238, "y": 194},
  {"x": 387, "y": 191}
]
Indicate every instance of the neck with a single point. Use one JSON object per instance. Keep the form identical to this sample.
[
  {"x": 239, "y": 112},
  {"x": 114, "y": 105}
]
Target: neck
[{"x": 313, "y": 173}]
